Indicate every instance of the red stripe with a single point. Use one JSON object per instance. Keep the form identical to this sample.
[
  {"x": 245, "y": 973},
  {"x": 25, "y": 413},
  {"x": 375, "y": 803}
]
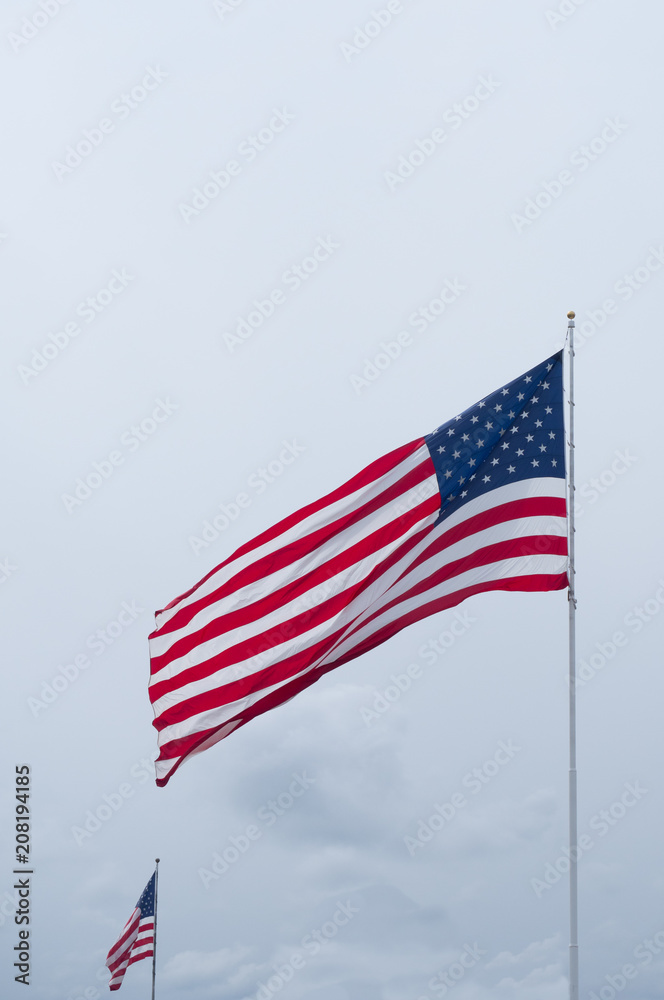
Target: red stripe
[
  {"x": 262, "y": 642},
  {"x": 138, "y": 933},
  {"x": 533, "y": 583},
  {"x": 186, "y": 745},
  {"x": 381, "y": 467},
  {"x": 299, "y": 548},
  {"x": 510, "y": 511},
  {"x": 515, "y": 509},
  {"x": 180, "y": 749},
  {"x": 334, "y": 565},
  {"x": 513, "y": 548},
  {"x": 290, "y": 591},
  {"x": 225, "y": 694},
  {"x": 128, "y": 931},
  {"x": 139, "y": 958},
  {"x": 298, "y": 625}
]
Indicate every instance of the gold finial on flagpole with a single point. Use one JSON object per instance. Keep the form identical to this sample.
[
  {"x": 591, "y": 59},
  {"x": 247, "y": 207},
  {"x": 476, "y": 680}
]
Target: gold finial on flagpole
[{"x": 571, "y": 314}]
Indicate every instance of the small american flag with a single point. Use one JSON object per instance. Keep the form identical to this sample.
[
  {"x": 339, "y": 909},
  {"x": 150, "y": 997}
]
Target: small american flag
[
  {"x": 137, "y": 938},
  {"x": 478, "y": 505}
]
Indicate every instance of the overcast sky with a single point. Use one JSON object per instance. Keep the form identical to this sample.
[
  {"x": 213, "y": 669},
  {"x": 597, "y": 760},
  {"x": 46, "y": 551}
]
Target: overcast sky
[{"x": 219, "y": 221}]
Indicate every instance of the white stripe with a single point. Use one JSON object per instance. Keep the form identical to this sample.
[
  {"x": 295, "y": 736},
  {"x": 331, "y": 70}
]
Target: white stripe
[
  {"x": 315, "y": 559},
  {"x": 523, "y": 489},
  {"x": 505, "y": 531},
  {"x": 516, "y": 566},
  {"x": 370, "y": 600},
  {"x": 308, "y": 600},
  {"x": 142, "y": 951},
  {"x": 502, "y": 495},
  {"x": 505, "y": 494},
  {"x": 278, "y": 651},
  {"x": 505, "y": 569},
  {"x": 217, "y": 716},
  {"x": 308, "y": 525},
  {"x": 532, "y": 565},
  {"x": 165, "y": 766},
  {"x": 121, "y": 945}
]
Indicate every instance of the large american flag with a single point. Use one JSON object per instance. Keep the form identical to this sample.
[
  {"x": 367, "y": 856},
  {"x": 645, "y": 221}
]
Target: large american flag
[
  {"x": 137, "y": 938},
  {"x": 477, "y": 505}
]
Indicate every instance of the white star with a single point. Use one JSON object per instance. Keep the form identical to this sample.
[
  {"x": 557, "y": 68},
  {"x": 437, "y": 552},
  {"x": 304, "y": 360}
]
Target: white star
[
  {"x": 464, "y": 494},
  {"x": 538, "y": 423},
  {"x": 521, "y": 396},
  {"x": 535, "y": 462},
  {"x": 471, "y": 464},
  {"x": 535, "y": 399},
  {"x": 458, "y": 417},
  {"x": 514, "y": 430},
  {"x": 487, "y": 479},
  {"x": 448, "y": 474},
  {"x": 450, "y": 432},
  {"x": 529, "y": 437},
  {"x": 472, "y": 477},
  {"x": 441, "y": 449},
  {"x": 505, "y": 445},
  {"x": 549, "y": 367},
  {"x": 554, "y": 462},
  {"x": 506, "y": 392},
  {"x": 488, "y": 425},
  {"x": 474, "y": 420},
  {"x": 519, "y": 452},
  {"x": 545, "y": 385},
  {"x": 511, "y": 469},
  {"x": 465, "y": 437},
  {"x": 525, "y": 413},
  {"x": 542, "y": 447},
  {"x": 495, "y": 461},
  {"x": 551, "y": 435},
  {"x": 528, "y": 378},
  {"x": 498, "y": 408},
  {"x": 502, "y": 431},
  {"x": 481, "y": 404},
  {"x": 457, "y": 454},
  {"x": 461, "y": 480},
  {"x": 480, "y": 444},
  {"x": 511, "y": 414},
  {"x": 548, "y": 410}
]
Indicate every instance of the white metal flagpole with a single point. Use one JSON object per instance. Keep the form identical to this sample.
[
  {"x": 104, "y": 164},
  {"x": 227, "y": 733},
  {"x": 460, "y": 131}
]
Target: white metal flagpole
[
  {"x": 154, "y": 941},
  {"x": 571, "y": 596}
]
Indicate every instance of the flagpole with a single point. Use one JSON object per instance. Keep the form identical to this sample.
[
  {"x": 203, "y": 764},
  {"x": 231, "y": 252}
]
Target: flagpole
[
  {"x": 571, "y": 596},
  {"x": 154, "y": 944}
]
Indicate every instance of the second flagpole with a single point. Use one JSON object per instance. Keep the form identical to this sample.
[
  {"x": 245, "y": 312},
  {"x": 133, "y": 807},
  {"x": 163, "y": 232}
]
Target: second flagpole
[
  {"x": 571, "y": 595},
  {"x": 154, "y": 942}
]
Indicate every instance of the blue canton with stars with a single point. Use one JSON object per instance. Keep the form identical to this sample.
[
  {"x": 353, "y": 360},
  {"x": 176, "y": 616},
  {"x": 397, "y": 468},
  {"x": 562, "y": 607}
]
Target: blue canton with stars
[
  {"x": 515, "y": 433},
  {"x": 146, "y": 902}
]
